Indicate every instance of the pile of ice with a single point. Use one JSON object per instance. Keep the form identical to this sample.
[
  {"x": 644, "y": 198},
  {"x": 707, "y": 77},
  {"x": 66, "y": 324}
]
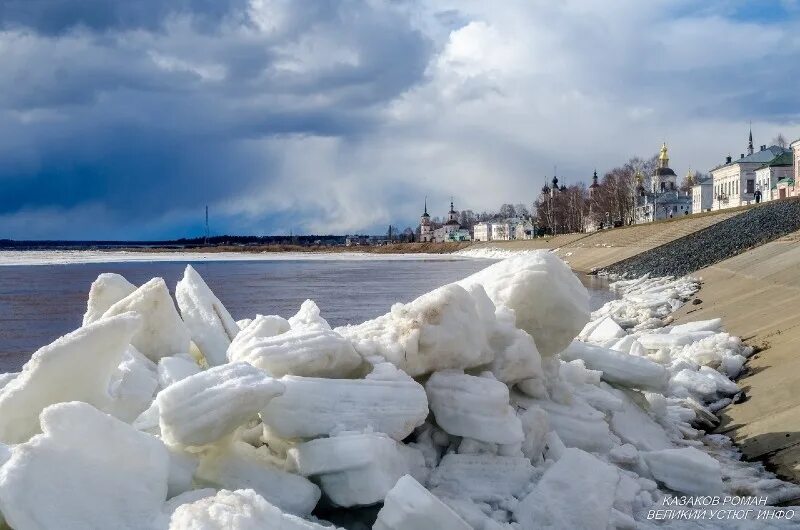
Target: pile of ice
[{"x": 494, "y": 402}]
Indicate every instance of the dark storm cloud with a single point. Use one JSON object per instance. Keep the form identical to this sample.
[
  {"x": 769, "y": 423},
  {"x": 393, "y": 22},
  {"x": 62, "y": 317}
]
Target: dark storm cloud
[
  {"x": 53, "y": 17},
  {"x": 148, "y": 123}
]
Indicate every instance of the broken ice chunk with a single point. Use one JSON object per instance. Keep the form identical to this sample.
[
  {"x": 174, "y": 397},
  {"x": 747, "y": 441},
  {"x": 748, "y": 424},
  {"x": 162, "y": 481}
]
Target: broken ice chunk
[
  {"x": 163, "y": 332},
  {"x": 240, "y": 466},
  {"x": 211, "y": 326},
  {"x": 715, "y": 324},
  {"x": 657, "y": 341},
  {"x": 434, "y": 332},
  {"x": 618, "y": 367},
  {"x": 87, "y": 470},
  {"x": 356, "y": 469},
  {"x": 487, "y": 478},
  {"x": 306, "y": 352},
  {"x": 206, "y": 406},
  {"x": 577, "y": 425},
  {"x": 106, "y": 290},
  {"x": 686, "y": 470},
  {"x": 607, "y": 329},
  {"x": 547, "y": 298},
  {"x": 176, "y": 368},
  {"x": 409, "y": 506},
  {"x": 78, "y": 366},
  {"x": 578, "y": 491},
  {"x": 475, "y": 407},
  {"x": 309, "y": 318},
  {"x": 252, "y": 331},
  {"x": 312, "y": 407},
  {"x": 133, "y": 386},
  {"x": 516, "y": 357},
  {"x": 236, "y": 510}
]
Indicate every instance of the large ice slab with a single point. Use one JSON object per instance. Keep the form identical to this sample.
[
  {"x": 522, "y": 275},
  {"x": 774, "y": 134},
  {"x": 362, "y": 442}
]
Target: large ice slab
[
  {"x": 391, "y": 403},
  {"x": 356, "y": 469},
  {"x": 577, "y": 424},
  {"x": 106, "y": 290},
  {"x": 205, "y": 407},
  {"x": 305, "y": 352},
  {"x": 77, "y": 367},
  {"x": 618, "y": 367},
  {"x": 686, "y": 470},
  {"x": 438, "y": 330},
  {"x": 86, "y": 470},
  {"x": 162, "y": 333},
  {"x": 241, "y": 466},
  {"x": 212, "y": 327},
  {"x": 578, "y": 491},
  {"x": 237, "y": 510},
  {"x": 547, "y": 298},
  {"x": 482, "y": 477},
  {"x": 409, "y": 506},
  {"x": 474, "y": 407}
]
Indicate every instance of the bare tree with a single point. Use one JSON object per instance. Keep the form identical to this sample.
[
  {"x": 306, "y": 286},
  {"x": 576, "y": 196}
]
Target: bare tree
[{"x": 780, "y": 141}]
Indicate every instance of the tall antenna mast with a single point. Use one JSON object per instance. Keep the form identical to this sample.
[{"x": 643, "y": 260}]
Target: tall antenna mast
[{"x": 205, "y": 241}]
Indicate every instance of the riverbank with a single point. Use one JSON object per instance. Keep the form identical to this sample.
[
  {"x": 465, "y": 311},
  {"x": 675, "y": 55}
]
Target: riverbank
[{"x": 757, "y": 295}]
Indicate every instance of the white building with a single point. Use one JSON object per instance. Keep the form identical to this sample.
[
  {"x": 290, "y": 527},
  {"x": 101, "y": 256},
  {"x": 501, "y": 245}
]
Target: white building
[
  {"x": 482, "y": 232},
  {"x": 511, "y": 229},
  {"x": 451, "y": 230},
  {"x": 768, "y": 176},
  {"x": 702, "y": 195},
  {"x": 735, "y": 180}
]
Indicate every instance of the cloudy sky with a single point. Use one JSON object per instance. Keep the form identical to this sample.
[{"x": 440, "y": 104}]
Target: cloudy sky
[{"x": 122, "y": 119}]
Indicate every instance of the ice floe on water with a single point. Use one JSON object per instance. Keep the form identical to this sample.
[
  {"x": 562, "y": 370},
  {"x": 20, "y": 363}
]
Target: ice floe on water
[
  {"x": 496, "y": 402},
  {"x": 65, "y": 257}
]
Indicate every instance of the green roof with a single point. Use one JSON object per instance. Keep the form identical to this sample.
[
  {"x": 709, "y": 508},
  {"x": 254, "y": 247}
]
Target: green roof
[
  {"x": 789, "y": 182},
  {"x": 784, "y": 159}
]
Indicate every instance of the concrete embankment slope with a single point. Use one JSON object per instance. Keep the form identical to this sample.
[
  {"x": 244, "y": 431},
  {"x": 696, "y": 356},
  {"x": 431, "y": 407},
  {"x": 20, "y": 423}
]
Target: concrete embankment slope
[
  {"x": 722, "y": 240},
  {"x": 586, "y": 252},
  {"x": 757, "y": 294}
]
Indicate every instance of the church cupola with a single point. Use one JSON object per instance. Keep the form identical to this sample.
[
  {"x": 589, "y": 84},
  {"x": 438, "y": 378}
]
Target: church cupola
[
  {"x": 750, "y": 142},
  {"x": 663, "y": 157}
]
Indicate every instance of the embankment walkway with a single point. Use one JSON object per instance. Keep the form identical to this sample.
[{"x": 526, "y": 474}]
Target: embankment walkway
[{"x": 587, "y": 252}]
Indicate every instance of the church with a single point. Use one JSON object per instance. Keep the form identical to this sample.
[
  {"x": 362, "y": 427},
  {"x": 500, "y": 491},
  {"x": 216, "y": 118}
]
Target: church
[
  {"x": 450, "y": 231},
  {"x": 663, "y": 199}
]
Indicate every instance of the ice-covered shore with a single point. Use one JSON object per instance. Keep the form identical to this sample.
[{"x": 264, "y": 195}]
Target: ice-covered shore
[{"x": 497, "y": 402}]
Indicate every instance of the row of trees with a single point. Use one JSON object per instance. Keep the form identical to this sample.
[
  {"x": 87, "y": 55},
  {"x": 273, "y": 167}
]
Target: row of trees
[{"x": 612, "y": 203}]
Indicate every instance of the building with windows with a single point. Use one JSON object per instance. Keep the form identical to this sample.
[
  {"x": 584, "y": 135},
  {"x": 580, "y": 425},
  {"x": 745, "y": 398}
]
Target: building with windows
[
  {"x": 482, "y": 231},
  {"x": 768, "y": 175},
  {"x": 702, "y": 194},
  {"x": 735, "y": 181},
  {"x": 512, "y": 229},
  {"x": 663, "y": 199}
]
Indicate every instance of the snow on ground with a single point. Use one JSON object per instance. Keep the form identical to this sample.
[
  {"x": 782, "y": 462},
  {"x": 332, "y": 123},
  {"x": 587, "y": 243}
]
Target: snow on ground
[
  {"x": 491, "y": 253},
  {"x": 65, "y": 257},
  {"x": 497, "y": 402}
]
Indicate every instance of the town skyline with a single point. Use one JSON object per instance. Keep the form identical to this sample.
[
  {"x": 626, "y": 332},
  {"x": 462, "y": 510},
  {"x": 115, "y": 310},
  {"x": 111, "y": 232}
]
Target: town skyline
[{"x": 302, "y": 117}]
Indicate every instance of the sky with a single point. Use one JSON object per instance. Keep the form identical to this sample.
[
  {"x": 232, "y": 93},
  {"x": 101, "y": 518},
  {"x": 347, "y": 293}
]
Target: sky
[{"x": 123, "y": 120}]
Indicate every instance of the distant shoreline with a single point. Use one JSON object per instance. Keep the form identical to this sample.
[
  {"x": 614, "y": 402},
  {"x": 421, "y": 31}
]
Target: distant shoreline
[{"x": 393, "y": 248}]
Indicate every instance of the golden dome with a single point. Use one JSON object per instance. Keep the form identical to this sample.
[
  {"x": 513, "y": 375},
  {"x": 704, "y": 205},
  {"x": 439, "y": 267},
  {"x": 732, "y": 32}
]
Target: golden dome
[
  {"x": 639, "y": 177},
  {"x": 690, "y": 177},
  {"x": 663, "y": 155}
]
